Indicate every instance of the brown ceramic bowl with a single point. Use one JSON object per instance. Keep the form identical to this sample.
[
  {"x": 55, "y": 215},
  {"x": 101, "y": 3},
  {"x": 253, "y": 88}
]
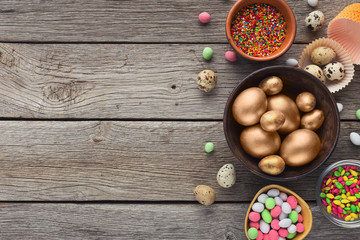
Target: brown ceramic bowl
[
  {"x": 284, "y": 9},
  {"x": 295, "y": 81},
  {"x": 305, "y": 210}
]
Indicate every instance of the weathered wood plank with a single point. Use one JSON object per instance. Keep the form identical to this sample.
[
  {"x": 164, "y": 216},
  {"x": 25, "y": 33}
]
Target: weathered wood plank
[
  {"x": 149, "y": 161},
  {"x": 133, "y": 20},
  {"x": 141, "y": 221},
  {"x": 125, "y": 81}
]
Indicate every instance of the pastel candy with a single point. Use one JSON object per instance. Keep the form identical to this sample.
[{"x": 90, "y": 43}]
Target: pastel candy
[
  {"x": 300, "y": 227},
  {"x": 283, "y": 196},
  {"x": 252, "y": 233},
  {"x": 207, "y": 53},
  {"x": 260, "y": 236},
  {"x": 264, "y": 227},
  {"x": 298, "y": 208},
  {"x": 266, "y": 216},
  {"x": 291, "y": 62},
  {"x": 266, "y": 237},
  {"x": 254, "y": 216},
  {"x": 286, "y": 208},
  {"x": 204, "y": 17},
  {"x": 355, "y": 138},
  {"x": 258, "y": 207},
  {"x": 340, "y": 106},
  {"x": 294, "y": 216},
  {"x": 262, "y": 198},
  {"x": 278, "y": 201},
  {"x": 281, "y": 238},
  {"x": 283, "y": 232},
  {"x": 292, "y": 228},
  {"x": 231, "y": 56},
  {"x": 275, "y": 224},
  {"x": 300, "y": 220},
  {"x": 274, "y": 235},
  {"x": 282, "y": 216},
  {"x": 292, "y": 201},
  {"x": 273, "y": 192},
  {"x": 285, "y": 223},
  {"x": 270, "y": 203},
  {"x": 254, "y": 225},
  {"x": 291, "y": 235},
  {"x": 275, "y": 212}
]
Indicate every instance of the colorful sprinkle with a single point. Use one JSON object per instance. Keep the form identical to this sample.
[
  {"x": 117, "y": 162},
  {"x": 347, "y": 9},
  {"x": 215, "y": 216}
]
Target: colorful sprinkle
[{"x": 258, "y": 29}]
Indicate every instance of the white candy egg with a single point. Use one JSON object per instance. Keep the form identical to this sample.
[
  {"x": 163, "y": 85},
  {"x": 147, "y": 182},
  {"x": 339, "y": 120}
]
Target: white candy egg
[
  {"x": 283, "y": 196},
  {"x": 355, "y": 138},
  {"x": 286, "y": 208},
  {"x": 292, "y": 228},
  {"x": 282, "y": 216},
  {"x": 273, "y": 192},
  {"x": 258, "y": 207},
  {"x": 291, "y": 62},
  {"x": 340, "y": 106},
  {"x": 285, "y": 223},
  {"x": 298, "y": 208},
  {"x": 264, "y": 227},
  {"x": 226, "y": 176},
  {"x": 313, "y": 3},
  {"x": 278, "y": 201},
  {"x": 262, "y": 198}
]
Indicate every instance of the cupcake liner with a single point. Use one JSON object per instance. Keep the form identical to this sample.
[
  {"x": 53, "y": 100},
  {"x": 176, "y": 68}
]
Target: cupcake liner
[
  {"x": 345, "y": 29},
  {"x": 341, "y": 56}
]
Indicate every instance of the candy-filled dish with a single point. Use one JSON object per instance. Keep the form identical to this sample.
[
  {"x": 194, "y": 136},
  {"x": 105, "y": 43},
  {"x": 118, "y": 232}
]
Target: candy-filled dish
[
  {"x": 277, "y": 213},
  {"x": 338, "y": 193},
  {"x": 281, "y": 123},
  {"x": 260, "y": 30}
]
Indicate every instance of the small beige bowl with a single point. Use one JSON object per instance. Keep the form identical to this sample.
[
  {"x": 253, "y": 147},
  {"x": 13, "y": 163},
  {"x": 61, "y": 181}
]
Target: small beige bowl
[{"x": 305, "y": 210}]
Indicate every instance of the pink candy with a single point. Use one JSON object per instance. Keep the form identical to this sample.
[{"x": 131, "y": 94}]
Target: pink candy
[
  {"x": 291, "y": 200},
  {"x": 300, "y": 227},
  {"x": 260, "y": 236},
  {"x": 204, "y": 17},
  {"x": 283, "y": 232},
  {"x": 254, "y": 216},
  {"x": 274, "y": 235},
  {"x": 275, "y": 212},
  {"x": 230, "y": 56},
  {"x": 266, "y": 237},
  {"x": 275, "y": 224},
  {"x": 254, "y": 225},
  {"x": 300, "y": 219}
]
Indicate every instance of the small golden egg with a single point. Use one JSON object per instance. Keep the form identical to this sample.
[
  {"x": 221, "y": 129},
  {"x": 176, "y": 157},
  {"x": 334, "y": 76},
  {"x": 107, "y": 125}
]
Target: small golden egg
[
  {"x": 273, "y": 165},
  {"x": 306, "y": 101},
  {"x": 271, "y": 121},
  {"x": 271, "y": 85},
  {"x": 300, "y": 147},
  {"x": 259, "y": 143},
  {"x": 312, "y": 120}
]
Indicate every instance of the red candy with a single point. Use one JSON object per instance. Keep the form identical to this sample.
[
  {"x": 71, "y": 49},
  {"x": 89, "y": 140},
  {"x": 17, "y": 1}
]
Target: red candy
[
  {"x": 254, "y": 225},
  {"x": 260, "y": 236},
  {"x": 275, "y": 224},
  {"x": 300, "y": 227},
  {"x": 291, "y": 200},
  {"x": 283, "y": 232},
  {"x": 254, "y": 216},
  {"x": 300, "y": 219},
  {"x": 275, "y": 212}
]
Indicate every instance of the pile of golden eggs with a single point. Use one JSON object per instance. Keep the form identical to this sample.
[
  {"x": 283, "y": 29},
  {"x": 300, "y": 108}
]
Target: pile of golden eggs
[{"x": 278, "y": 130}]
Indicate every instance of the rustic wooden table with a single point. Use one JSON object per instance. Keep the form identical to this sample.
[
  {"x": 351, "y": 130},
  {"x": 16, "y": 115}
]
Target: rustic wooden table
[{"x": 103, "y": 128}]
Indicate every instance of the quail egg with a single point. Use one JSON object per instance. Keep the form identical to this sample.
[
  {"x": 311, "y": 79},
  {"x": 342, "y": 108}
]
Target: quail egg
[
  {"x": 334, "y": 71},
  {"x": 315, "y": 20},
  {"x": 316, "y": 71},
  {"x": 322, "y": 55}
]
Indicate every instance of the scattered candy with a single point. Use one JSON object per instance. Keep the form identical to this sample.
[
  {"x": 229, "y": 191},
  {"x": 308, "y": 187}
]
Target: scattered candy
[
  {"x": 340, "y": 106},
  {"x": 209, "y": 147},
  {"x": 313, "y": 3},
  {"x": 231, "y": 56},
  {"x": 258, "y": 29},
  {"x": 204, "y": 17},
  {"x": 355, "y": 138},
  {"x": 340, "y": 192},
  {"x": 315, "y": 20},
  {"x": 226, "y": 176},
  {"x": 208, "y": 53},
  {"x": 291, "y": 62},
  {"x": 358, "y": 113}
]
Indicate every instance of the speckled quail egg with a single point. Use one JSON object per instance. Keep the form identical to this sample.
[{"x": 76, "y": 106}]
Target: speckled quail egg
[
  {"x": 204, "y": 194},
  {"x": 206, "y": 80},
  {"x": 316, "y": 71},
  {"x": 334, "y": 71},
  {"x": 226, "y": 176},
  {"x": 322, "y": 55},
  {"x": 315, "y": 20}
]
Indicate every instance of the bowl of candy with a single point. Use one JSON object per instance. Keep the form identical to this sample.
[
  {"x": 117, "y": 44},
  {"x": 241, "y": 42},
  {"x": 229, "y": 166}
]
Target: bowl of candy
[
  {"x": 260, "y": 30},
  {"x": 337, "y": 193}
]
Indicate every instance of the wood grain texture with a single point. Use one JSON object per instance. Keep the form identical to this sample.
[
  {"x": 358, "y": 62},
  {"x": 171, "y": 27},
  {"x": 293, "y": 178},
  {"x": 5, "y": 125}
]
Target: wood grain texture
[
  {"x": 125, "y": 81},
  {"x": 134, "y": 20},
  {"x": 141, "y": 221},
  {"x": 129, "y": 161}
]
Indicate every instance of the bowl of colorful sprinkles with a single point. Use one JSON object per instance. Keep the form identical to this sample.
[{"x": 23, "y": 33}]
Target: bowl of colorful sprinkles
[
  {"x": 260, "y": 30},
  {"x": 338, "y": 193}
]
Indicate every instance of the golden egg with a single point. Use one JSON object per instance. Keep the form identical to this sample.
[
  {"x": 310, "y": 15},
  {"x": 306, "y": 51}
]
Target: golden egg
[
  {"x": 273, "y": 165},
  {"x": 272, "y": 120},
  {"x": 259, "y": 143},
  {"x": 306, "y": 101},
  {"x": 288, "y": 107},
  {"x": 271, "y": 85},
  {"x": 300, "y": 147},
  {"x": 249, "y": 105},
  {"x": 312, "y": 120}
]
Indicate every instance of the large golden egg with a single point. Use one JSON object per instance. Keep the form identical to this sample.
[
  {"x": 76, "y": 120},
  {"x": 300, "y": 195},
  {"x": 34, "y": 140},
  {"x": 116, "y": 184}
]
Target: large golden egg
[
  {"x": 300, "y": 147},
  {"x": 288, "y": 107},
  {"x": 272, "y": 120},
  {"x": 312, "y": 120},
  {"x": 273, "y": 165},
  {"x": 306, "y": 101},
  {"x": 271, "y": 85},
  {"x": 259, "y": 143},
  {"x": 249, "y": 105}
]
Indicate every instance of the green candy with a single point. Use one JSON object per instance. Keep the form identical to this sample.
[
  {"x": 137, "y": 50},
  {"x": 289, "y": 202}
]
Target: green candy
[
  {"x": 338, "y": 197},
  {"x": 253, "y": 233},
  {"x": 353, "y": 208},
  {"x": 270, "y": 203},
  {"x": 338, "y": 185},
  {"x": 322, "y": 195},
  {"x": 343, "y": 191},
  {"x": 348, "y": 183},
  {"x": 327, "y": 200},
  {"x": 347, "y": 208},
  {"x": 357, "y": 195},
  {"x": 337, "y": 174},
  {"x": 291, "y": 235},
  {"x": 344, "y": 212},
  {"x": 358, "y": 113},
  {"x": 347, "y": 174},
  {"x": 208, "y": 53},
  {"x": 266, "y": 216},
  {"x": 340, "y": 169},
  {"x": 294, "y": 216},
  {"x": 357, "y": 209},
  {"x": 209, "y": 147}
]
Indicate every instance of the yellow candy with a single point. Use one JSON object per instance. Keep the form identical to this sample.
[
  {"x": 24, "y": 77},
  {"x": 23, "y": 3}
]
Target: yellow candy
[
  {"x": 337, "y": 202},
  {"x": 347, "y": 218},
  {"x": 348, "y": 194},
  {"x": 345, "y": 178},
  {"x": 352, "y": 198},
  {"x": 332, "y": 187},
  {"x": 353, "y": 173},
  {"x": 328, "y": 208},
  {"x": 343, "y": 196},
  {"x": 345, "y": 201},
  {"x": 330, "y": 196},
  {"x": 334, "y": 180},
  {"x": 354, "y": 215},
  {"x": 348, "y": 204},
  {"x": 359, "y": 204},
  {"x": 328, "y": 181},
  {"x": 343, "y": 205},
  {"x": 351, "y": 179},
  {"x": 326, "y": 189},
  {"x": 342, "y": 172},
  {"x": 355, "y": 181}
]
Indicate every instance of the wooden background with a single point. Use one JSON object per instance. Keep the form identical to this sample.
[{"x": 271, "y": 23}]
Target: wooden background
[{"x": 103, "y": 126}]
